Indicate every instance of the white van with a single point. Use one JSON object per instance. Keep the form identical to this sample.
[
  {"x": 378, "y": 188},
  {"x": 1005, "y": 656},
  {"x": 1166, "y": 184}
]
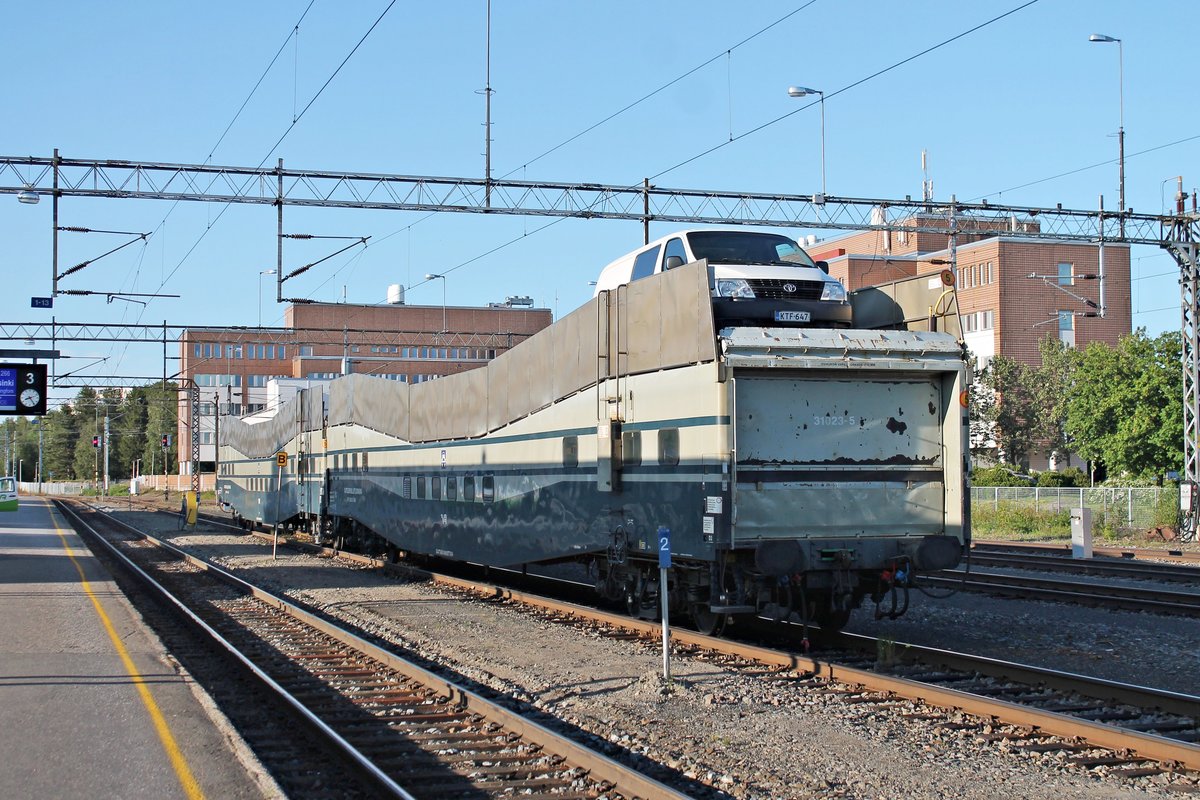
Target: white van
[{"x": 758, "y": 279}]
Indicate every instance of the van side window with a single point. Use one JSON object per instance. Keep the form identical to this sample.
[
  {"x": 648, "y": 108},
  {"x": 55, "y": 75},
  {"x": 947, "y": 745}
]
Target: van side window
[
  {"x": 570, "y": 451},
  {"x": 643, "y": 265},
  {"x": 668, "y": 446},
  {"x": 469, "y": 488},
  {"x": 489, "y": 488},
  {"x": 631, "y": 449},
  {"x": 675, "y": 248}
]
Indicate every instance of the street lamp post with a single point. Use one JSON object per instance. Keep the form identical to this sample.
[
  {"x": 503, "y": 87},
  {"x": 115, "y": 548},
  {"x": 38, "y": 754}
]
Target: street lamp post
[
  {"x": 264, "y": 272},
  {"x": 804, "y": 91},
  {"x": 431, "y": 276},
  {"x": 1099, "y": 37}
]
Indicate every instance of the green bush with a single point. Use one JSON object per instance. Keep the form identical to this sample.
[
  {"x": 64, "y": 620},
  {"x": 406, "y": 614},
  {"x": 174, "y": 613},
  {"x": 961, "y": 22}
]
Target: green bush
[
  {"x": 998, "y": 476},
  {"x": 1166, "y": 510},
  {"x": 1071, "y": 476},
  {"x": 1010, "y": 521}
]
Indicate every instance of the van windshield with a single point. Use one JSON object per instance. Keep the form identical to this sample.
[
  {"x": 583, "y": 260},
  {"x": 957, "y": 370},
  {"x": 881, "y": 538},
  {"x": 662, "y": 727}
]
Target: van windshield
[{"x": 738, "y": 247}]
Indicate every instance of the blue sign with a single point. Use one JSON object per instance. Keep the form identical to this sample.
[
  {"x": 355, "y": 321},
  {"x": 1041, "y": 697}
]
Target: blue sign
[
  {"x": 41, "y": 302},
  {"x": 664, "y": 547}
]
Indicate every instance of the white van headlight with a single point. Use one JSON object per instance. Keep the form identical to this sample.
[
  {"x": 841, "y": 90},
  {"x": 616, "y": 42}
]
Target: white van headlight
[
  {"x": 734, "y": 287},
  {"x": 833, "y": 290}
]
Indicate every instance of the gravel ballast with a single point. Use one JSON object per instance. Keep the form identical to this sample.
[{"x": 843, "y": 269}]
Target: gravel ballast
[{"x": 741, "y": 735}]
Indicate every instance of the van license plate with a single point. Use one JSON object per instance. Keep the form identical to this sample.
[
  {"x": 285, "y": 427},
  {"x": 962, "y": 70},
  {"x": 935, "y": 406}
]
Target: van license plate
[{"x": 793, "y": 316}]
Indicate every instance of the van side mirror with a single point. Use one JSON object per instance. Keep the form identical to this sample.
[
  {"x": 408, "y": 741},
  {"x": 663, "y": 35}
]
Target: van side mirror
[
  {"x": 672, "y": 262},
  {"x": 823, "y": 266}
]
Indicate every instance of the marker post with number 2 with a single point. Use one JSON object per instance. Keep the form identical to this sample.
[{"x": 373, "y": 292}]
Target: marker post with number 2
[{"x": 664, "y": 564}]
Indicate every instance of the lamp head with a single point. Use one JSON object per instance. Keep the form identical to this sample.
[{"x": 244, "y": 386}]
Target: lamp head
[
  {"x": 801, "y": 91},
  {"x": 431, "y": 276},
  {"x": 1100, "y": 37}
]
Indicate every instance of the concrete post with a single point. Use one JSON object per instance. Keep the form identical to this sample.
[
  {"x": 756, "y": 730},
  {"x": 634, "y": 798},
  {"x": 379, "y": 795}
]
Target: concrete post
[{"x": 1081, "y": 533}]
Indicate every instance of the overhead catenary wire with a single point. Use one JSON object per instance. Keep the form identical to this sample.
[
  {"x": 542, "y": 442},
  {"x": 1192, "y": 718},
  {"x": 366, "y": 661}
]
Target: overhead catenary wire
[
  {"x": 727, "y": 52},
  {"x": 845, "y": 88},
  {"x": 663, "y": 88},
  {"x": 212, "y": 152},
  {"x": 769, "y": 123},
  {"x": 296, "y": 119},
  {"x": 1077, "y": 170}
]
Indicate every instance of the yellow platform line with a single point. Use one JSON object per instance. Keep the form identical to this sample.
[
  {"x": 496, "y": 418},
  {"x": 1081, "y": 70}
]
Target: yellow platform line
[{"x": 178, "y": 762}]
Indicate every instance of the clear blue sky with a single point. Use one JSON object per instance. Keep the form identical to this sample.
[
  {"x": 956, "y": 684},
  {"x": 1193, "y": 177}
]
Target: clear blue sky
[{"x": 1019, "y": 101}]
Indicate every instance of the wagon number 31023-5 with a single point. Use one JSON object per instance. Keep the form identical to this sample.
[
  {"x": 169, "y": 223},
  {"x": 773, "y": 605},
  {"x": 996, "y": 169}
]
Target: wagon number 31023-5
[{"x": 829, "y": 420}]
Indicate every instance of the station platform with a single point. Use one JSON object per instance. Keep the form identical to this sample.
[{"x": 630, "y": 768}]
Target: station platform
[{"x": 89, "y": 705}]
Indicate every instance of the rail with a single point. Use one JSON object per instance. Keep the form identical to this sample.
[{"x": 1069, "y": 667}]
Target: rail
[{"x": 346, "y": 655}]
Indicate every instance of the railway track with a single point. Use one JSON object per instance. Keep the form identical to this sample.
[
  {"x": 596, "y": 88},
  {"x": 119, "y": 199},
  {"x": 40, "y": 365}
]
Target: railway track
[
  {"x": 1128, "y": 730},
  {"x": 1143, "y": 731},
  {"x": 1105, "y": 595},
  {"x": 403, "y": 730},
  {"x": 1127, "y": 553},
  {"x": 1104, "y": 566}
]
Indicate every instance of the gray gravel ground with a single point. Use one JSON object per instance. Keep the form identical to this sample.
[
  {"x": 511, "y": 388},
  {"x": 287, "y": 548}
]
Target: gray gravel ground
[
  {"x": 743, "y": 736},
  {"x": 1150, "y": 649}
]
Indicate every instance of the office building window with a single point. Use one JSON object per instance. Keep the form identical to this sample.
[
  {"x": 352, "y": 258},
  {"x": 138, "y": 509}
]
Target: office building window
[
  {"x": 1066, "y": 274},
  {"x": 1066, "y": 328}
]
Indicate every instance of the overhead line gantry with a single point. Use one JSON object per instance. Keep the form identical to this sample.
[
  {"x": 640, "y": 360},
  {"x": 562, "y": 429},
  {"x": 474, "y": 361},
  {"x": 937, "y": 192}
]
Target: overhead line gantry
[{"x": 1177, "y": 233}]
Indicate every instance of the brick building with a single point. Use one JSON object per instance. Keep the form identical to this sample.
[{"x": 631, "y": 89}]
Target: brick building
[
  {"x": 1004, "y": 311},
  {"x": 320, "y": 341}
]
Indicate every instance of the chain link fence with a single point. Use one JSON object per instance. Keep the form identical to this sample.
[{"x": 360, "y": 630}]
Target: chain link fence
[{"x": 1116, "y": 507}]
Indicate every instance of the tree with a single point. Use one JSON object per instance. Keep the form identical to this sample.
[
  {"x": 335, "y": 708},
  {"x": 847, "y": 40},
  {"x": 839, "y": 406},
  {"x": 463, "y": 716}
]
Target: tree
[
  {"x": 60, "y": 433},
  {"x": 85, "y": 460},
  {"x": 1124, "y": 405},
  {"x": 1054, "y": 378},
  {"x": 161, "y": 408},
  {"x": 981, "y": 402},
  {"x": 1013, "y": 412},
  {"x": 131, "y": 426}
]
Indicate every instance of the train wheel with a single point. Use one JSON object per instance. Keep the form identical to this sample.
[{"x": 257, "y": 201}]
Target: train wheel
[
  {"x": 710, "y": 623},
  {"x": 832, "y": 620}
]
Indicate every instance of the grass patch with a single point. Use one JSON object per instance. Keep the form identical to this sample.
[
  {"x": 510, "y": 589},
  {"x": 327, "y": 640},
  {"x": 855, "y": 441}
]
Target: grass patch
[{"x": 1019, "y": 523}]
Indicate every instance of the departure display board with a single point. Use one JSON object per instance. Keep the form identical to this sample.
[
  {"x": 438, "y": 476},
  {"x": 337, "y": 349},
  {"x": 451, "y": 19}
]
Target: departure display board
[{"x": 22, "y": 389}]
